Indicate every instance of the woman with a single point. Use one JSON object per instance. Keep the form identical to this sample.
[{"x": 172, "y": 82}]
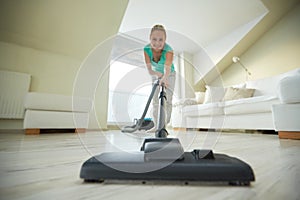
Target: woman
[{"x": 159, "y": 61}]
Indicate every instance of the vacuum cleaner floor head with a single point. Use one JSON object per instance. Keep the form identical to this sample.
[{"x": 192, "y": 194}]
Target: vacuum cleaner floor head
[{"x": 133, "y": 166}]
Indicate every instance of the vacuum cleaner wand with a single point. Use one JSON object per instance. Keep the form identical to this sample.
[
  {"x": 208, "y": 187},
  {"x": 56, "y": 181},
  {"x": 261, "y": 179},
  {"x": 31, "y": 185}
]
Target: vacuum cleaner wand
[{"x": 161, "y": 131}]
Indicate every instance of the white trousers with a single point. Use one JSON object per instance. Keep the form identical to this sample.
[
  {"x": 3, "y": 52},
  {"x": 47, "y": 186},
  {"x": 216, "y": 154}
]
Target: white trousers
[{"x": 169, "y": 95}]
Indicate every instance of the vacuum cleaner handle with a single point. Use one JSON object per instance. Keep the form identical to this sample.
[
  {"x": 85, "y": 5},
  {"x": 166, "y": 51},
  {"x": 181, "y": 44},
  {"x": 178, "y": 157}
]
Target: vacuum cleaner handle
[{"x": 150, "y": 99}]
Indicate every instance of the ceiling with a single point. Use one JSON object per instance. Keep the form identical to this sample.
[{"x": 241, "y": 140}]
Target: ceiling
[{"x": 198, "y": 23}]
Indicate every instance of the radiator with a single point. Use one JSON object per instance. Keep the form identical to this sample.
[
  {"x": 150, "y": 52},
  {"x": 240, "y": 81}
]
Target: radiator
[{"x": 13, "y": 89}]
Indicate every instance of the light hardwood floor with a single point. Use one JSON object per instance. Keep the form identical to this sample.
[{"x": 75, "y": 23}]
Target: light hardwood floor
[{"x": 47, "y": 166}]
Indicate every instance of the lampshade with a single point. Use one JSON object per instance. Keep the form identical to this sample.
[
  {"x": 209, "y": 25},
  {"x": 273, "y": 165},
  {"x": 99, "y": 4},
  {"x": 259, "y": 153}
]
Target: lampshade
[{"x": 235, "y": 59}]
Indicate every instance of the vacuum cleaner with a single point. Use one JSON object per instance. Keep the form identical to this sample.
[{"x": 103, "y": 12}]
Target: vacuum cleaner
[
  {"x": 163, "y": 159},
  {"x": 142, "y": 123}
]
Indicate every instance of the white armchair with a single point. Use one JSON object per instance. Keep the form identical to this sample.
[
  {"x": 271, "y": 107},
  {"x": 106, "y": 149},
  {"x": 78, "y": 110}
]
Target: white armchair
[
  {"x": 287, "y": 114},
  {"x": 54, "y": 111}
]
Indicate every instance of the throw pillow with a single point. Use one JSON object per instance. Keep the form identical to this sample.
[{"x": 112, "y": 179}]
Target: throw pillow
[
  {"x": 214, "y": 94},
  {"x": 200, "y": 97},
  {"x": 238, "y": 93}
]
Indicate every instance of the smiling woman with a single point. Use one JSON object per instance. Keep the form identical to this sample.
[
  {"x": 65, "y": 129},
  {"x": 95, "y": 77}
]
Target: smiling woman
[{"x": 159, "y": 61}]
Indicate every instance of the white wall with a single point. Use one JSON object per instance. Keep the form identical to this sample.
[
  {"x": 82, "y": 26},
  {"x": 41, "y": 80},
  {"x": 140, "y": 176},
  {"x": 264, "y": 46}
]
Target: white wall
[
  {"x": 277, "y": 51},
  {"x": 55, "y": 73},
  {"x": 51, "y": 72},
  {"x": 205, "y": 59},
  {"x": 188, "y": 75}
]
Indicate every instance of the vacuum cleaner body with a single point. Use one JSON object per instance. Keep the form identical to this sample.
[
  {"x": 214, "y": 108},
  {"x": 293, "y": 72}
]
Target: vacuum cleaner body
[{"x": 163, "y": 158}]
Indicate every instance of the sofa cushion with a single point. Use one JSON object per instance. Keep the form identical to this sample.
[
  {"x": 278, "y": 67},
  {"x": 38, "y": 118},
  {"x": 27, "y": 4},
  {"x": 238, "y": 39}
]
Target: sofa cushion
[
  {"x": 57, "y": 102},
  {"x": 237, "y": 93},
  {"x": 203, "y": 110},
  {"x": 269, "y": 85},
  {"x": 266, "y": 86},
  {"x": 250, "y": 105},
  {"x": 288, "y": 90}
]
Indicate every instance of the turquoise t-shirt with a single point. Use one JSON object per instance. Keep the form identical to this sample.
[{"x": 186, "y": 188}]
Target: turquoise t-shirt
[{"x": 159, "y": 66}]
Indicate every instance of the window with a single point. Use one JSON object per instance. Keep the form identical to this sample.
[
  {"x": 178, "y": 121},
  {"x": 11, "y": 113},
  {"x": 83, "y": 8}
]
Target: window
[{"x": 129, "y": 89}]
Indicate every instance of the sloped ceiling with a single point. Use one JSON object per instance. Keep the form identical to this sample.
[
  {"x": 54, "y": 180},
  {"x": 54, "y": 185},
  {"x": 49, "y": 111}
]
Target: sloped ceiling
[
  {"x": 201, "y": 21},
  {"x": 69, "y": 27}
]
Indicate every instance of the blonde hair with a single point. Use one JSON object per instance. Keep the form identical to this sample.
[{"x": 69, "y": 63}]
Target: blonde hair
[{"x": 158, "y": 27}]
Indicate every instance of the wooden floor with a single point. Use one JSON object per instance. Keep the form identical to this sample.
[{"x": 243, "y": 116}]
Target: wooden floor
[{"x": 47, "y": 166}]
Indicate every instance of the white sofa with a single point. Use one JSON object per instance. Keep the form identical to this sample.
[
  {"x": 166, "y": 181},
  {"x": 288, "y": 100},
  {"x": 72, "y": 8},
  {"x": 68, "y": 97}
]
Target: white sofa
[
  {"x": 55, "y": 111},
  {"x": 252, "y": 113}
]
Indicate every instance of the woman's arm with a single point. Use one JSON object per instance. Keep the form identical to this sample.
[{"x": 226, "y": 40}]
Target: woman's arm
[{"x": 168, "y": 64}]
